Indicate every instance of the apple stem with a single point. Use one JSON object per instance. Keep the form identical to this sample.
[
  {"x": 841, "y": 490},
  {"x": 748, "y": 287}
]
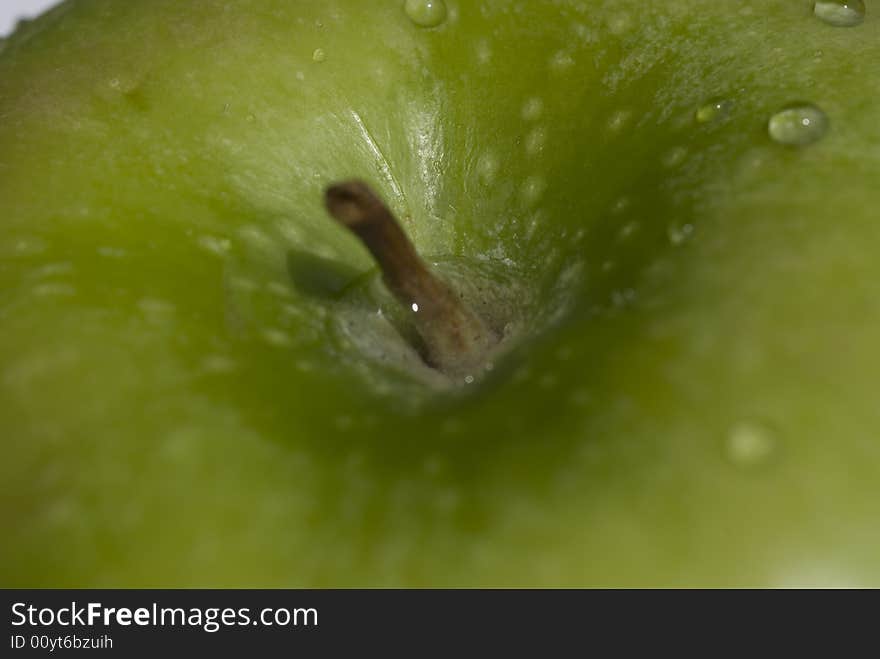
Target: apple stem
[{"x": 457, "y": 341}]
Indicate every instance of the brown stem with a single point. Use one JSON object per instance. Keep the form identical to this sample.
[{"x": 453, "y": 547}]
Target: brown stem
[{"x": 456, "y": 339}]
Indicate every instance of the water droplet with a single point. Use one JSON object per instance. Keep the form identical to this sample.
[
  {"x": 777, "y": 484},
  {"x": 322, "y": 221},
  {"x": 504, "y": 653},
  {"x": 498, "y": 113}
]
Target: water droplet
[
  {"x": 533, "y": 109},
  {"x": 469, "y": 379},
  {"x": 250, "y": 118},
  {"x": 840, "y": 13},
  {"x": 750, "y": 444},
  {"x": 426, "y": 13},
  {"x": 713, "y": 110},
  {"x": 319, "y": 55},
  {"x": 679, "y": 234},
  {"x": 798, "y": 125},
  {"x": 415, "y": 307},
  {"x": 674, "y": 157}
]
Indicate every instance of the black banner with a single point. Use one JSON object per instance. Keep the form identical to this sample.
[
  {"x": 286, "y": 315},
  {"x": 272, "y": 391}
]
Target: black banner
[{"x": 415, "y": 622}]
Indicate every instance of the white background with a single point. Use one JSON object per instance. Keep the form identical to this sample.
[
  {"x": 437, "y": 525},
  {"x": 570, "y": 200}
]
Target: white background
[{"x": 12, "y": 10}]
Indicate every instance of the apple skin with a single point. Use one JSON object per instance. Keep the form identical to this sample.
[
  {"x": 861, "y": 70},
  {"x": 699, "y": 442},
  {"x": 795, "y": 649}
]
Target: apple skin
[{"x": 176, "y": 407}]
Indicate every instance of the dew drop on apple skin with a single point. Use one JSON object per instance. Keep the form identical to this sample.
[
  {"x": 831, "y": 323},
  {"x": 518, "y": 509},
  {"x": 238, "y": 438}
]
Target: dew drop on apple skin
[
  {"x": 798, "y": 125},
  {"x": 319, "y": 55},
  {"x": 713, "y": 110},
  {"x": 840, "y": 13},
  {"x": 750, "y": 444},
  {"x": 426, "y": 13}
]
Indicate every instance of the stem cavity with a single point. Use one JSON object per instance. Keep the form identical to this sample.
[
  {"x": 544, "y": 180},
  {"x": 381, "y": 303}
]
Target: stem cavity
[{"x": 457, "y": 342}]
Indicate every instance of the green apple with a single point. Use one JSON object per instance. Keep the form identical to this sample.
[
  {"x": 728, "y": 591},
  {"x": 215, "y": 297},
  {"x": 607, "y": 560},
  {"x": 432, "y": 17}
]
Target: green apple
[{"x": 203, "y": 382}]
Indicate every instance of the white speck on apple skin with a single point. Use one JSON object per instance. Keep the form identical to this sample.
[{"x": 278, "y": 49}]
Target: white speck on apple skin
[
  {"x": 532, "y": 109},
  {"x": 156, "y": 310},
  {"x": 619, "y": 120},
  {"x": 533, "y": 190},
  {"x": 535, "y": 141},
  {"x": 751, "y": 444},
  {"x": 276, "y": 337},
  {"x": 214, "y": 244}
]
